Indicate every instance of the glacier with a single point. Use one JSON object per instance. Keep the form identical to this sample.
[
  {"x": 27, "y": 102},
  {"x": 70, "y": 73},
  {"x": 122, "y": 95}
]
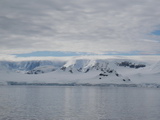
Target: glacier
[{"x": 83, "y": 70}]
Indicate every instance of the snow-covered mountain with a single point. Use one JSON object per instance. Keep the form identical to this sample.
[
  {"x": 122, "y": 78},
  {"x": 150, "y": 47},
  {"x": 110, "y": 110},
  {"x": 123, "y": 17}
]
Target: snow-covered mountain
[
  {"x": 29, "y": 65},
  {"x": 82, "y": 70}
]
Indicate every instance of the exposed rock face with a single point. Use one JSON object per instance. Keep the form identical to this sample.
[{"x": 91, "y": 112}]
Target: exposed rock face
[{"x": 131, "y": 65}]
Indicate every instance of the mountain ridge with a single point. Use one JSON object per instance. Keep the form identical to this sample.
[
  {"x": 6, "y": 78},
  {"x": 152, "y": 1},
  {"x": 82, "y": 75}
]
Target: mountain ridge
[{"x": 82, "y": 70}]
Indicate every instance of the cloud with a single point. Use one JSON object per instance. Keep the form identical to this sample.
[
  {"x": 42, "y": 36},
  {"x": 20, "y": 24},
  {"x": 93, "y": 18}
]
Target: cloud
[{"x": 79, "y": 26}]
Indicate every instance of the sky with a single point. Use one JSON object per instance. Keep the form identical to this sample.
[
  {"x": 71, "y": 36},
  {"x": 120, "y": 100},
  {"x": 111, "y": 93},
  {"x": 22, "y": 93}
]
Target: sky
[{"x": 79, "y": 27}]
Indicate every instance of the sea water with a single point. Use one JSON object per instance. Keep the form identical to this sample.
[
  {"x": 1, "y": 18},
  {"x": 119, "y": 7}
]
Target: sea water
[{"x": 79, "y": 103}]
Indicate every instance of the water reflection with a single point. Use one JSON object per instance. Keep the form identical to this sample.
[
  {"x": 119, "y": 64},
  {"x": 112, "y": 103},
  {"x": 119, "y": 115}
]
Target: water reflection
[{"x": 78, "y": 103}]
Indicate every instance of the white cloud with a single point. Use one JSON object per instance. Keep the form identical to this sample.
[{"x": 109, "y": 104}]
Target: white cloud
[{"x": 95, "y": 26}]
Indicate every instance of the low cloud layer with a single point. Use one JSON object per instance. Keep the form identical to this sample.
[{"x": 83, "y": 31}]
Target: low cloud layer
[{"x": 94, "y": 26}]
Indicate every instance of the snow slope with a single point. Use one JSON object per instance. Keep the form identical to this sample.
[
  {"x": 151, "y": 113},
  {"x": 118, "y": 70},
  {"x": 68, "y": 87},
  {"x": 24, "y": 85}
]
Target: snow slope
[{"x": 87, "y": 70}]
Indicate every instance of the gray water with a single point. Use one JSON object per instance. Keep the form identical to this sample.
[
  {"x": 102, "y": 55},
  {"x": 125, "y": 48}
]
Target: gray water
[{"x": 78, "y": 103}]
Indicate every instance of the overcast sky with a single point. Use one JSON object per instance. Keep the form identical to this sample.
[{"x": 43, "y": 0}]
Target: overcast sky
[{"x": 92, "y": 26}]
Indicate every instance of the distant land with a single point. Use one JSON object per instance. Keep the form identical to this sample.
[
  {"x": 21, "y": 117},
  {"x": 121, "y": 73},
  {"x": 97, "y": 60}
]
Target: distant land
[{"x": 131, "y": 71}]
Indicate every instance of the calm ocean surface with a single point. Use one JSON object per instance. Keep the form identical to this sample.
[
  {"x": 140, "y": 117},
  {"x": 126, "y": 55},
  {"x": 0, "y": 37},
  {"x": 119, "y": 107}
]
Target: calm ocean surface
[{"x": 79, "y": 103}]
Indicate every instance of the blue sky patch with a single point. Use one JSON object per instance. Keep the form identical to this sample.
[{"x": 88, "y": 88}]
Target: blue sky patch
[
  {"x": 123, "y": 53},
  {"x": 65, "y": 54},
  {"x": 156, "y": 32},
  {"x": 51, "y": 53}
]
